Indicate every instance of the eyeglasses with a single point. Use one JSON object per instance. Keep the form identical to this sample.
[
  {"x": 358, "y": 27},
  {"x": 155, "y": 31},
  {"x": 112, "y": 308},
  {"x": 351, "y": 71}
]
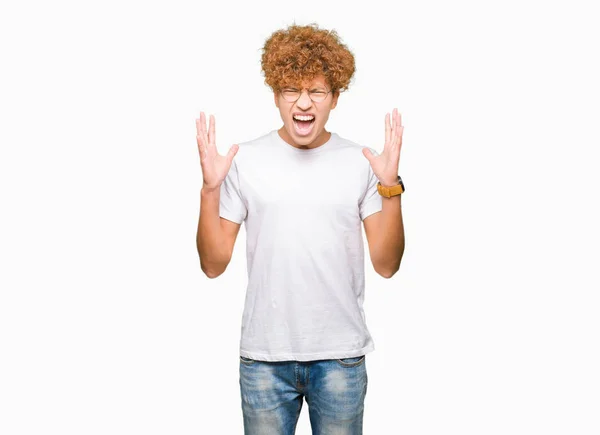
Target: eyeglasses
[{"x": 291, "y": 95}]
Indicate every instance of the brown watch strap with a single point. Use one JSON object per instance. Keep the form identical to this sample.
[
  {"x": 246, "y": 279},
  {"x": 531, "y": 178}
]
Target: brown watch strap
[{"x": 388, "y": 192}]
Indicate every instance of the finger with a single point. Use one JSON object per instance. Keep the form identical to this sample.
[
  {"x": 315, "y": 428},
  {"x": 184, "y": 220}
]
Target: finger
[
  {"x": 398, "y": 144},
  {"x": 401, "y": 132},
  {"x": 199, "y": 137},
  {"x": 400, "y": 129},
  {"x": 204, "y": 132},
  {"x": 211, "y": 130},
  {"x": 393, "y": 122},
  {"x": 198, "y": 130},
  {"x": 202, "y": 124},
  {"x": 397, "y": 128},
  {"x": 387, "y": 128},
  {"x": 232, "y": 152},
  {"x": 201, "y": 147}
]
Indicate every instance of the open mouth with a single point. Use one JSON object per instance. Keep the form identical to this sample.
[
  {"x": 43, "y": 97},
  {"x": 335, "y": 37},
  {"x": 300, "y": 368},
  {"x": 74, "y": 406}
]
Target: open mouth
[{"x": 303, "y": 127}]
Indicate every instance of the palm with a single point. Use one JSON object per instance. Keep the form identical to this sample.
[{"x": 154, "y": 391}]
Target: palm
[
  {"x": 382, "y": 164},
  {"x": 214, "y": 166},
  {"x": 385, "y": 165}
]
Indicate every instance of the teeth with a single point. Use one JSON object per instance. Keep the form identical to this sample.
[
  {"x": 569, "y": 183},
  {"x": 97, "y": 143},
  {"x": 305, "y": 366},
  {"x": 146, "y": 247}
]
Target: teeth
[{"x": 304, "y": 118}]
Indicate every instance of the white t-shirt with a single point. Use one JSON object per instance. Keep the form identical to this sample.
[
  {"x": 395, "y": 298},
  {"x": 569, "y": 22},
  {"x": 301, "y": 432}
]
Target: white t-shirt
[{"x": 303, "y": 211}]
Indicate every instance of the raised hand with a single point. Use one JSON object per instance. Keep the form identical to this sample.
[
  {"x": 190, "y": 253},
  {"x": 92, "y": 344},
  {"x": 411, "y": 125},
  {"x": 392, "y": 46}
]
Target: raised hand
[
  {"x": 385, "y": 165},
  {"x": 214, "y": 166}
]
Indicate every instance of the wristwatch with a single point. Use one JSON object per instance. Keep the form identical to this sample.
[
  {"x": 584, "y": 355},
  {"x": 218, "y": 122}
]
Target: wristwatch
[{"x": 388, "y": 192}]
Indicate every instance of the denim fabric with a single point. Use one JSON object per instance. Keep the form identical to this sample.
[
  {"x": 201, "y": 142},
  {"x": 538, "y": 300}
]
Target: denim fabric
[{"x": 272, "y": 395}]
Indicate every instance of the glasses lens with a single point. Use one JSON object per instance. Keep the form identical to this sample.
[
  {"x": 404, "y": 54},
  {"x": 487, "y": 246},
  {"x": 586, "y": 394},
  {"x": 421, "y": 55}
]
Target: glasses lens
[
  {"x": 318, "y": 96},
  {"x": 290, "y": 95}
]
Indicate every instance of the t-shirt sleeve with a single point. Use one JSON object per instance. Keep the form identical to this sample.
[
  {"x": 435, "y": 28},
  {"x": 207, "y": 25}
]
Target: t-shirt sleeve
[
  {"x": 231, "y": 205},
  {"x": 371, "y": 201}
]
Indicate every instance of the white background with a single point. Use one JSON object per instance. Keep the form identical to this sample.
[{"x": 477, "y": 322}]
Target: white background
[{"x": 107, "y": 323}]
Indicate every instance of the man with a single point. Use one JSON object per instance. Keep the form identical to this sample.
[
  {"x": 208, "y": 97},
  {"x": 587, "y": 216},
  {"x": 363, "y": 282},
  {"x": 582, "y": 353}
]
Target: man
[{"x": 302, "y": 192}]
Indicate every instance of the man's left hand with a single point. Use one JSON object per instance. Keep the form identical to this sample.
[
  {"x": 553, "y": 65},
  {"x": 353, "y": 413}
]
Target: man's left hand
[{"x": 385, "y": 165}]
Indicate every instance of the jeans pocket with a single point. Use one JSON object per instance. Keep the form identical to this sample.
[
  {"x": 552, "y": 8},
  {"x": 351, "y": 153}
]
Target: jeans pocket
[
  {"x": 352, "y": 361},
  {"x": 247, "y": 361}
]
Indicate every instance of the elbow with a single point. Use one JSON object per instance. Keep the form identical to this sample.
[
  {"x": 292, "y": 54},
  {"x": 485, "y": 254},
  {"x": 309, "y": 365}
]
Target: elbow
[
  {"x": 387, "y": 265},
  {"x": 383, "y": 272},
  {"x": 212, "y": 272},
  {"x": 211, "y": 275},
  {"x": 388, "y": 272}
]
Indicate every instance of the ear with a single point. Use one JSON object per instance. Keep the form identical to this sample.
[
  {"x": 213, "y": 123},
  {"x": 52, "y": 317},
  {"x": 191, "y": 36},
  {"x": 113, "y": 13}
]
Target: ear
[
  {"x": 276, "y": 97},
  {"x": 334, "y": 101}
]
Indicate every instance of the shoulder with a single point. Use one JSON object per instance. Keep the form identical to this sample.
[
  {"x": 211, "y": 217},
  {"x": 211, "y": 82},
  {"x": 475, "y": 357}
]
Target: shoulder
[
  {"x": 257, "y": 142},
  {"x": 352, "y": 151},
  {"x": 344, "y": 143},
  {"x": 253, "y": 148}
]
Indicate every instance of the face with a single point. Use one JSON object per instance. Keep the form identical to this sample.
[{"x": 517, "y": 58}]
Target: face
[{"x": 304, "y": 135}]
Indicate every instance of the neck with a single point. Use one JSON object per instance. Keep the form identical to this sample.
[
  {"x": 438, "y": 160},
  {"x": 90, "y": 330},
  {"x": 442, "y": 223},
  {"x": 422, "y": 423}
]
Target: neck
[{"x": 319, "y": 140}]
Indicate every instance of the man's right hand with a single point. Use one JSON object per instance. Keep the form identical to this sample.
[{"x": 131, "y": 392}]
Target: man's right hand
[{"x": 215, "y": 167}]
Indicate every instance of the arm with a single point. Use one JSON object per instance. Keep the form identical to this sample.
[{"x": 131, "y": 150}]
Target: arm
[
  {"x": 385, "y": 229},
  {"x": 385, "y": 236},
  {"x": 216, "y": 236}
]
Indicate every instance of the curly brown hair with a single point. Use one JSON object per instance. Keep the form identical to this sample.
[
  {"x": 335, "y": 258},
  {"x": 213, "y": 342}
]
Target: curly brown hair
[{"x": 300, "y": 53}]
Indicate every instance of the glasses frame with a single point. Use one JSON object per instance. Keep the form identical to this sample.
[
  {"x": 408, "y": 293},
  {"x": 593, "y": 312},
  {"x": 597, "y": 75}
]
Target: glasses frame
[{"x": 301, "y": 91}]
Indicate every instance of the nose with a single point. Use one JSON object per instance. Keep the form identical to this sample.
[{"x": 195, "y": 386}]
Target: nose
[{"x": 304, "y": 102}]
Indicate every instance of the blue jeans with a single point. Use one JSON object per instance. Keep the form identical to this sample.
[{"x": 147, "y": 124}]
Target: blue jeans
[{"x": 272, "y": 393}]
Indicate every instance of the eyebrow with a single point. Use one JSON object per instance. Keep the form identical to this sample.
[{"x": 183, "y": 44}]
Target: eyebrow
[{"x": 311, "y": 88}]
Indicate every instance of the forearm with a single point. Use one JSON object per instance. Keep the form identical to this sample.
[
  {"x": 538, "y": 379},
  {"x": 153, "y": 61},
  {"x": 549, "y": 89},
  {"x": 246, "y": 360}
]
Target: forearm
[
  {"x": 209, "y": 238},
  {"x": 391, "y": 235}
]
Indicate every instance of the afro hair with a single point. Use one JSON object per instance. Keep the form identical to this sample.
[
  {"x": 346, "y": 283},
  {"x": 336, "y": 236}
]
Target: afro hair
[{"x": 300, "y": 53}]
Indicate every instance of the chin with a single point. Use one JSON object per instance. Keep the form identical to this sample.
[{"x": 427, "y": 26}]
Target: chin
[{"x": 303, "y": 139}]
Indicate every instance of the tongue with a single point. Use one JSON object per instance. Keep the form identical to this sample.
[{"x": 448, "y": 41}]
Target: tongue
[{"x": 304, "y": 124}]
